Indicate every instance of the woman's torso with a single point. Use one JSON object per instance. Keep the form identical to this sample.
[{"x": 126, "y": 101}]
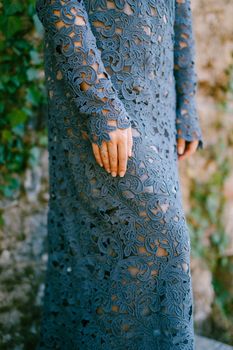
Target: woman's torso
[{"x": 136, "y": 41}]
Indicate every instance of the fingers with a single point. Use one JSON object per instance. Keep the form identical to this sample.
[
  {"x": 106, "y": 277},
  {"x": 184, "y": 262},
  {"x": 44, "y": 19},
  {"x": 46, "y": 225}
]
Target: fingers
[
  {"x": 101, "y": 155},
  {"x": 189, "y": 149},
  {"x": 104, "y": 156},
  {"x": 130, "y": 142},
  {"x": 180, "y": 146},
  {"x": 97, "y": 155},
  {"x": 113, "y": 156},
  {"x": 123, "y": 156}
]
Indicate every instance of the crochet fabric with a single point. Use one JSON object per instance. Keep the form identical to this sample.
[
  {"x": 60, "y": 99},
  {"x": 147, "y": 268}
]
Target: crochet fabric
[{"x": 118, "y": 272}]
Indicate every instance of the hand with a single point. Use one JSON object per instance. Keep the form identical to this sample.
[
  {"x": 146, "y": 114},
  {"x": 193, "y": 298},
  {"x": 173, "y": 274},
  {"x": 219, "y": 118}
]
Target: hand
[
  {"x": 186, "y": 148},
  {"x": 113, "y": 154}
]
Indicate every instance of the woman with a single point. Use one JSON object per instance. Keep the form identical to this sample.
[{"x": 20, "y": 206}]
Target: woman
[{"x": 121, "y": 94}]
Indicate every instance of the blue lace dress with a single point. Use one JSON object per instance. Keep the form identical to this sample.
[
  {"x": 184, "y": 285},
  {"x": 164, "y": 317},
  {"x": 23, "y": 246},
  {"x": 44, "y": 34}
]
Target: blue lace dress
[{"x": 118, "y": 273}]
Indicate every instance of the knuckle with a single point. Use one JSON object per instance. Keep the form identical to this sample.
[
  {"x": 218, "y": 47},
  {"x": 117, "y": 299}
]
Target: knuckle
[
  {"x": 113, "y": 138},
  {"x": 123, "y": 137},
  {"x": 104, "y": 155}
]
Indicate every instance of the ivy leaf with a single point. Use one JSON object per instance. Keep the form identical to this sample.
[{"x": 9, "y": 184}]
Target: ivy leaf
[
  {"x": 13, "y": 7},
  {"x": 33, "y": 96},
  {"x": 14, "y": 25},
  {"x": 32, "y": 74},
  {"x": 35, "y": 57},
  {"x": 16, "y": 117},
  {"x": 19, "y": 130},
  {"x": 6, "y": 135}
]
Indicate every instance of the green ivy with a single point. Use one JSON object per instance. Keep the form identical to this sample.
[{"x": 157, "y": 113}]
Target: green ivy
[{"x": 23, "y": 103}]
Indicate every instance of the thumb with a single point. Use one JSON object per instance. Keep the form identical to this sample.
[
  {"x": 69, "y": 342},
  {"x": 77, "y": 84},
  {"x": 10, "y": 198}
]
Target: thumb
[{"x": 180, "y": 145}]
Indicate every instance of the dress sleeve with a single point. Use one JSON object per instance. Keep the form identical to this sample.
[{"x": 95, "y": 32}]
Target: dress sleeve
[
  {"x": 187, "y": 119},
  {"x": 79, "y": 60}
]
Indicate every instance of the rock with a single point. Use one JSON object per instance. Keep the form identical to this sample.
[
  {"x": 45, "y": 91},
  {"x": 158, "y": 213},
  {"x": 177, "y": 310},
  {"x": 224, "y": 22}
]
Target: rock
[
  {"x": 202, "y": 290},
  {"x": 5, "y": 257},
  {"x": 32, "y": 183},
  {"x": 213, "y": 33},
  {"x": 203, "y": 343}
]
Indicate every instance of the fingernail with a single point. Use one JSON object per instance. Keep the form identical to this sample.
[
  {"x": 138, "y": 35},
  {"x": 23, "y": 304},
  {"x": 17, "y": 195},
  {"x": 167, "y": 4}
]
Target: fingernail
[
  {"x": 101, "y": 165},
  {"x": 108, "y": 170},
  {"x": 121, "y": 173},
  {"x": 180, "y": 150},
  {"x": 113, "y": 174}
]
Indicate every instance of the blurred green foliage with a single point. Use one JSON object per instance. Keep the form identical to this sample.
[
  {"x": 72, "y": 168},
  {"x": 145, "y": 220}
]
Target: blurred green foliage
[
  {"x": 206, "y": 220},
  {"x": 22, "y": 125}
]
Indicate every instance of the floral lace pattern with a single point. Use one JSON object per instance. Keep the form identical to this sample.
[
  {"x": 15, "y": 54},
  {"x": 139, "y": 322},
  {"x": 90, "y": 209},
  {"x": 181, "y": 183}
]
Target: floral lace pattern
[
  {"x": 186, "y": 78},
  {"x": 118, "y": 273},
  {"x": 74, "y": 47}
]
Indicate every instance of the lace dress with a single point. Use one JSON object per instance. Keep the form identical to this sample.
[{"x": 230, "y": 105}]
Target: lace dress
[{"x": 118, "y": 272}]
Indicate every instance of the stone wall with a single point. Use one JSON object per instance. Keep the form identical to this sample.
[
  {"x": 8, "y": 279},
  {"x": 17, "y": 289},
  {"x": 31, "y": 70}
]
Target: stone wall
[{"x": 213, "y": 29}]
